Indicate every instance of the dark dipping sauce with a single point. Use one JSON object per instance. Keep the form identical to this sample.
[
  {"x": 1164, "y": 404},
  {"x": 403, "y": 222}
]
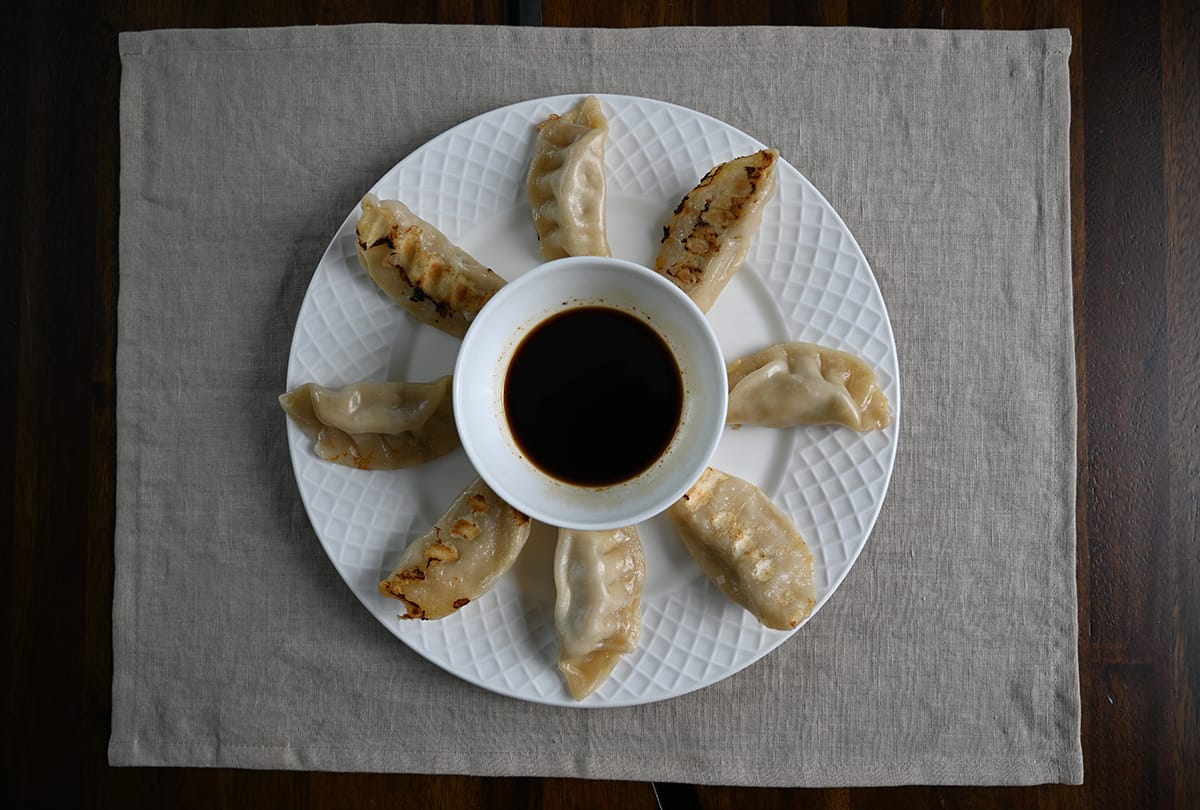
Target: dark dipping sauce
[{"x": 593, "y": 396}]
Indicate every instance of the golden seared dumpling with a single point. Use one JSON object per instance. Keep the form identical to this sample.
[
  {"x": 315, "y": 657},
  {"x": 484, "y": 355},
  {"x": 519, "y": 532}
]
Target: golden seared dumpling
[
  {"x": 598, "y": 580},
  {"x": 413, "y": 262},
  {"x": 805, "y": 384},
  {"x": 709, "y": 236},
  {"x": 461, "y": 557},
  {"x": 376, "y": 425},
  {"x": 567, "y": 184},
  {"x": 748, "y": 547}
]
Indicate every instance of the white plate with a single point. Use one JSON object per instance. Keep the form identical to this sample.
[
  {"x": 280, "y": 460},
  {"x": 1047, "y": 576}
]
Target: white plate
[{"x": 805, "y": 279}]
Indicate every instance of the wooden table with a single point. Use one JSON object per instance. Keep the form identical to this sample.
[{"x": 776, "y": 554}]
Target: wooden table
[{"x": 1135, "y": 210}]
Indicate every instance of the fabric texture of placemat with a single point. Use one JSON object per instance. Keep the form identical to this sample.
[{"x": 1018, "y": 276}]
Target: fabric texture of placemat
[{"x": 948, "y": 655}]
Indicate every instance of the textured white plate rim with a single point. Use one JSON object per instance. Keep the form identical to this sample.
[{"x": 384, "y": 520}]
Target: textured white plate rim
[{"x": 299, "y": 443}]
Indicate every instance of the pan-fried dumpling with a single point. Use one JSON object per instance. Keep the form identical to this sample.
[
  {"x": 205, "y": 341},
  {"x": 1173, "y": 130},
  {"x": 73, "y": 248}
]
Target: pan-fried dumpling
[
  {"x": 748, "y": 547},
  {"x": 413, "y": 262},
  {"x": 709, "y": 236},
  {"x": 805, "y": 384},
  {"x": 599, "y": 578},
  {"x": 461, "y": 557},
  {"x": 376, "y": 425},
  {"x": 566, "y": 183}
]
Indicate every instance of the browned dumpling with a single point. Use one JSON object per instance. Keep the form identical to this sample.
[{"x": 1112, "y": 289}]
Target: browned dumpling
[
  {"x": 709, "y": 236},
  {"x": 461, "y": 557},
  {"x": 598, "y": 577},
  {"x": 805, "y": 384},
  {"x": 376, "y": 425},
  {"x": 748, "y": 547},
  {"x": 567, "y": 185},
  {"x": 413, "y": 262}
]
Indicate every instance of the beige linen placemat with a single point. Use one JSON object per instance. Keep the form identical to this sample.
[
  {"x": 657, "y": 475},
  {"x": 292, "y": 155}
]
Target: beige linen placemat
[{"x": 949, "y": 653}]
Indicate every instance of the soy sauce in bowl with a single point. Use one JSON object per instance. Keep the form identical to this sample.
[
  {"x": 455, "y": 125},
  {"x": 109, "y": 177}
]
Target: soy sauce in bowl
[
  {"x": 593, "y": 396},
  {"x": 583, "y": 442}
]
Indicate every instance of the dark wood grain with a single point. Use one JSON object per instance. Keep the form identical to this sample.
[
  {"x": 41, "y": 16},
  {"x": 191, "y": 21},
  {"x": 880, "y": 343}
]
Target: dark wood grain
[
  {"x": 1179, "y": 608},
  {"x": 1126, "y": 546},
  {"x": 1135, "y": 196}
]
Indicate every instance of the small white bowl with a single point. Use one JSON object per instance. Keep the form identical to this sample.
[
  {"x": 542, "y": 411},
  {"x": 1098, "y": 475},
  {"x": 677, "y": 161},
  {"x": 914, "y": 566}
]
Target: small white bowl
[{"x": 518, "y": 308}]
